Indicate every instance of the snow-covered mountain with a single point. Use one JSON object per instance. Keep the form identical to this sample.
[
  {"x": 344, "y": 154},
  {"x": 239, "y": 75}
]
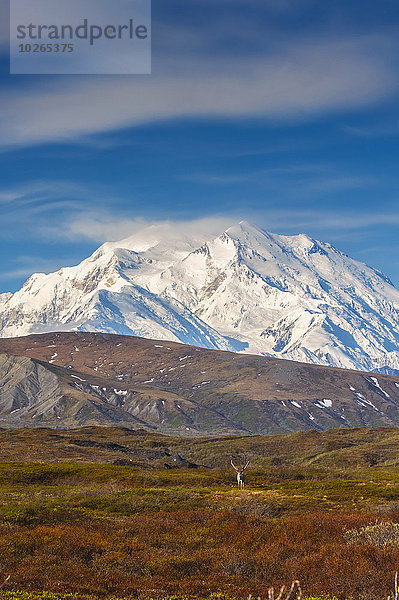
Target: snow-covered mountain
[{"x": 246, "y": 290}]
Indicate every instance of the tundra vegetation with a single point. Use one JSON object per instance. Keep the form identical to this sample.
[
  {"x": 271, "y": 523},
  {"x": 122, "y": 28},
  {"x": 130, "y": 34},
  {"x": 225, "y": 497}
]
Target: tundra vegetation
[{"x": 86, "y": 530}]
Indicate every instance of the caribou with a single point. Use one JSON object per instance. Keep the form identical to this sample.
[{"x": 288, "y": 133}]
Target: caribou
[{"x": 240, "y": 474}]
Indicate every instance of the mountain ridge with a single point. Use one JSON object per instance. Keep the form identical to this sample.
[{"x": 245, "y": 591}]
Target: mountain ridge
[{"x": 81, "y": 379}]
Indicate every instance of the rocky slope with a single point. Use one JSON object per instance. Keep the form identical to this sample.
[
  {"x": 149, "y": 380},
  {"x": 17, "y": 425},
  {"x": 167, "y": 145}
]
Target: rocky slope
[
  {"x": 246, "y": 291},
  {"x": 78, "y": 379}
]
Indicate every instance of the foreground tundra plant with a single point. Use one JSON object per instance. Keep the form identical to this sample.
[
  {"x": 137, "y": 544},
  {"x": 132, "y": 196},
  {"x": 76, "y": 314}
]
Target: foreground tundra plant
[{"x": 380, "y": 535}]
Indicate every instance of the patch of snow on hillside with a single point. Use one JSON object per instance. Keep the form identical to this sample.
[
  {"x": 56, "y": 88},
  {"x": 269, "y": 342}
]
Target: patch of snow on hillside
[
  {"x": 76, "y": 377},
  {"x": 325, "y": 403},
  {"x": 377, "y": 385},
  {"x": 362, "y": 401}
]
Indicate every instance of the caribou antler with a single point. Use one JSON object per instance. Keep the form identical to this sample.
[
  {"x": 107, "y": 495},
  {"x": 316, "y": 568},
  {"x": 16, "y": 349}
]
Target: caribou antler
[{"x": 239, "y": 468}]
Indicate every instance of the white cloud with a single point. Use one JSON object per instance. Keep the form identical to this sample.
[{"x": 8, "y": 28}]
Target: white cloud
[
  {"x": 34, "y": 210},
  {"x": 104, "y": 226},
  {"x": 295, "y": 82},
  {"x": 61, "y": 211}
]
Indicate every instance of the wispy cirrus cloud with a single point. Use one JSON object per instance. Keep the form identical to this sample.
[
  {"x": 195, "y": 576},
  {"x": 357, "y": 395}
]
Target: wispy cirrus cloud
[
  {"x": 338, "y": 224},
  {"x": 292, "y": 81},
  {"x": 70, "y": 212},
  {"x": 374, "y": 129},
  {"x": 308, "y": 179},
  {"x": 34, "y": 193},
  {"x": 104, "y": 225}
]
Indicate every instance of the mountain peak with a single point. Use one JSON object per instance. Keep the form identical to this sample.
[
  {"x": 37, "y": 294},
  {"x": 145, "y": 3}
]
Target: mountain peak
[
  {"x": 248, "y": 233},
  {"x": 245, "y": 228}
]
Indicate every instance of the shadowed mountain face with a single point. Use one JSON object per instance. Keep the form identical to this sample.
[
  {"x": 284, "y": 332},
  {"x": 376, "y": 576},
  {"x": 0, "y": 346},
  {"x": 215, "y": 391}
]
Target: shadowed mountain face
[
  {"x": 246, "y": 290},
  {"x": 80, "y": 379}
]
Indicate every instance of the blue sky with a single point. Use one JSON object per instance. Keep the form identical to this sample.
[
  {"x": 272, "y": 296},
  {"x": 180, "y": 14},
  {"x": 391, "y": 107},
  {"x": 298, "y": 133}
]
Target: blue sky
[{"x": 281, "y": 112}]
